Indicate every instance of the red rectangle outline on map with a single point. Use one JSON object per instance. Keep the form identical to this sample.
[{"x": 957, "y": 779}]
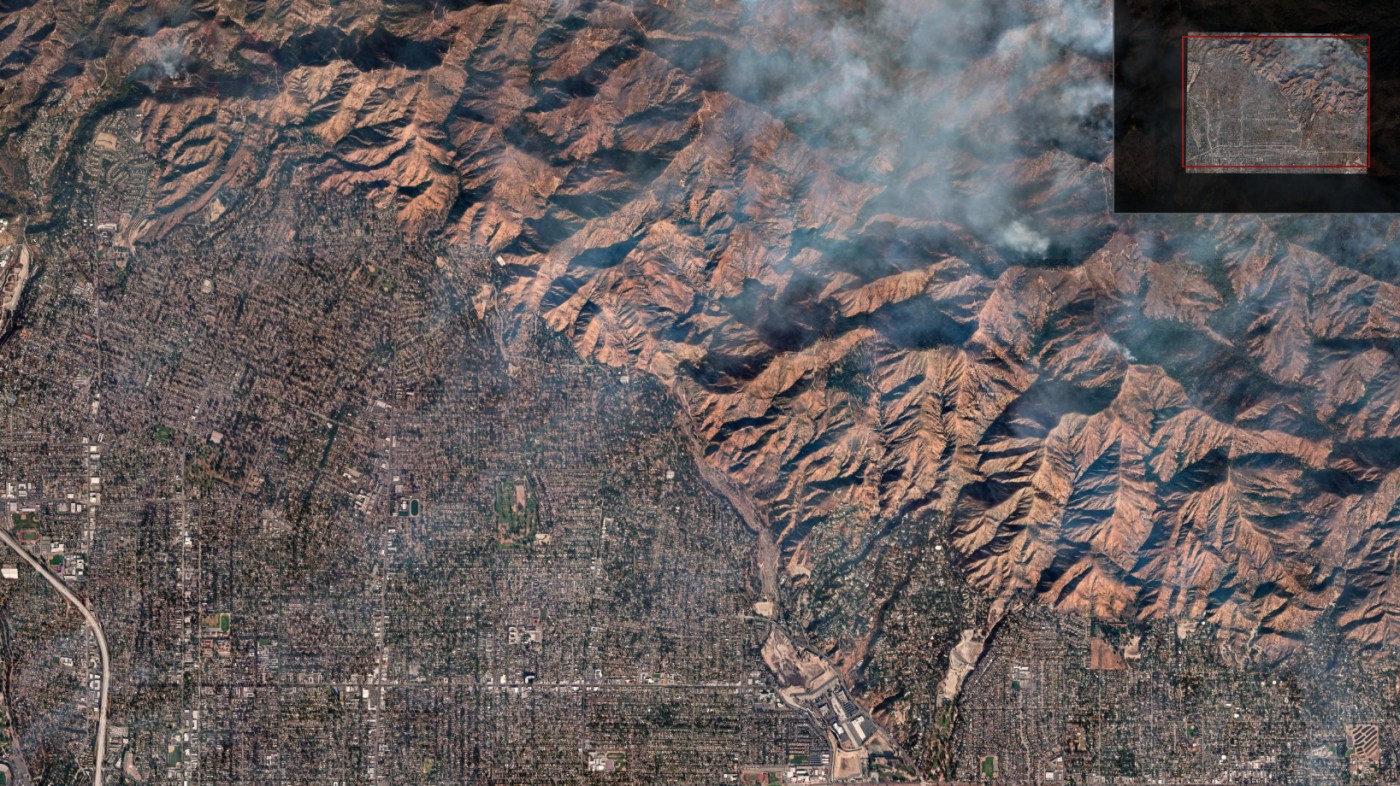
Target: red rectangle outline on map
[{"x": 1184, "y": 165}]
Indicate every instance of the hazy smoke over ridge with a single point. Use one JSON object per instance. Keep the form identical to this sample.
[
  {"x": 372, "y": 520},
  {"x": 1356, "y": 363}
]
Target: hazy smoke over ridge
[{"x": 927, "y": 99}]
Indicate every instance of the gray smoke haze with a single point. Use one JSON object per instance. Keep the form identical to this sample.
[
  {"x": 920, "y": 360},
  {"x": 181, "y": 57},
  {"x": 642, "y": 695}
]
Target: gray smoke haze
[
  {"x": 994, "y": 117},
  {"x": 929, "y": 99},
  {"x": 939, "y": 102},
  {"x": 165, "y": 55}
]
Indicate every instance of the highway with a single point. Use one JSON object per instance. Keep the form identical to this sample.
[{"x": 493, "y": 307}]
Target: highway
[{"x": 63, "y": 589}]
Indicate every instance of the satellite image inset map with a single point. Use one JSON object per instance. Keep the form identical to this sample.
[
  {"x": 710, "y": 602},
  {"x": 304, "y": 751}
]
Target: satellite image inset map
[
  {"x": 1276, "y": 102},
  {"x": 683, "y": 392}
]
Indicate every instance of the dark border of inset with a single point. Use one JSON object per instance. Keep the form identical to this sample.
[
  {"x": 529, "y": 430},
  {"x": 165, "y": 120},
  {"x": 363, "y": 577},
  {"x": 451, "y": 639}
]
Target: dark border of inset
[
  {"x": 1270, "y": 167},
  {"x": 1148, "y": 176}
]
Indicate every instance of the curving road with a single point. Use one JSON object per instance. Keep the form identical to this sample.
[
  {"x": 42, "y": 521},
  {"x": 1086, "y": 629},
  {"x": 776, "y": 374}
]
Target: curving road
[{"x": 91, "y": 619}]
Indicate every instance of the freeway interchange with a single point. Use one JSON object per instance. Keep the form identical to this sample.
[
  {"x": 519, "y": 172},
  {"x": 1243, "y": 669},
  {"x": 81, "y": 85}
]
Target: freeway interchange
[{"x": 77, "y": 601}]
